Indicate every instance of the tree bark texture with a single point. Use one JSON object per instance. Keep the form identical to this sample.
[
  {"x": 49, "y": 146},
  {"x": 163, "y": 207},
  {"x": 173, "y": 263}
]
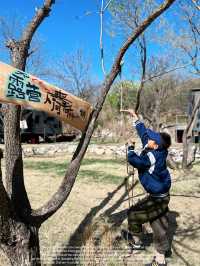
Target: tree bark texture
[
  {"x": 18, "y": 240},
  {"x": 23, "y": 245}
]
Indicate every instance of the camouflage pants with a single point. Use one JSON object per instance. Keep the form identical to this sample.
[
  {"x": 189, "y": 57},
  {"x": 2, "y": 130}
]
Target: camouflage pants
[{"x": 153, "y": 210}]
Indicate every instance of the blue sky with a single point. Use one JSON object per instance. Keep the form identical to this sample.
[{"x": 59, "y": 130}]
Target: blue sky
[{"x": 67, "y": 29}]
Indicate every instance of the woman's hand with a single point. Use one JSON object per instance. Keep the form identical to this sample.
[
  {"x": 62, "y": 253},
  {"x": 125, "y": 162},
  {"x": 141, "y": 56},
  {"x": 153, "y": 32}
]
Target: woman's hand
[{"x": 131, "y": 112}]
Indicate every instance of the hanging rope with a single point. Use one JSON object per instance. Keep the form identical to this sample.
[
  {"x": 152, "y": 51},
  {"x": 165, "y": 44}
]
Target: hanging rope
[
  {"x": 130, "y": 178},
  {"x": 101, "y": 37},
  {"x": 101, "y": 13},
  {"x": 129, "y": 181}
]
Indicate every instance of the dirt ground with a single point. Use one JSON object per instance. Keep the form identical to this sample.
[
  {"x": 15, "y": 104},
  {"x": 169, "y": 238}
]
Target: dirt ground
[{"x": 90, "y": 199}]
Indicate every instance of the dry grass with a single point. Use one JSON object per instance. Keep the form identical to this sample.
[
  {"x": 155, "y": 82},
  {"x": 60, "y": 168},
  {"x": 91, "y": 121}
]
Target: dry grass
[{"x": 87, "y": 216}]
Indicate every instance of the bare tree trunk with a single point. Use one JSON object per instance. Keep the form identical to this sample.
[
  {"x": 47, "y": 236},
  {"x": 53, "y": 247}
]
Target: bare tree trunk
[
  {"x": 185, "y": 152},
  {"x": 23, "y": 247},
  {"x": 187, "y": 136},
  {"x": 18, "y": 240}
]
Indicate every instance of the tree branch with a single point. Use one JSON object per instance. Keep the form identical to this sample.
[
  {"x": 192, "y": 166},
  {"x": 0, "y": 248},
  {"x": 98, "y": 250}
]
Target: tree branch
[
  {"x": 107, "y": 5},
  {"x": 196, "y": 4},
  {"x": 194, "y": 51},
  {"x": 166, "y": 72},
  {"x": 48, "y": 209},
  {"x": 143, "y": 56},
  {"x": 41, "y": 13}
]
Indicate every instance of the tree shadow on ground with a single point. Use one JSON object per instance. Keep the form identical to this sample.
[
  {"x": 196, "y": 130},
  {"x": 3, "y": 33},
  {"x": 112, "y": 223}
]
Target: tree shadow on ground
[
  {"x": 172, "y": 220},
  {"x": 191, "y": 233},
  {"x": 76, "y": 240},
  {"x": 177, "y": 245},
  {"x": 72, "y": 247}
]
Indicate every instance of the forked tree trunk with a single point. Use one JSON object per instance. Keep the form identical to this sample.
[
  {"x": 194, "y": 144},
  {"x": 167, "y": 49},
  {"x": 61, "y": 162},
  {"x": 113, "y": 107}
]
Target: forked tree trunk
[
  {"x": 21, "y": 241},
  {"x": 22, "y": 247}
]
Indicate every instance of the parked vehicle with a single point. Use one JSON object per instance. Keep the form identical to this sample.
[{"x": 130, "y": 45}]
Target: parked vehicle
[{"x": 38, "y": 126}]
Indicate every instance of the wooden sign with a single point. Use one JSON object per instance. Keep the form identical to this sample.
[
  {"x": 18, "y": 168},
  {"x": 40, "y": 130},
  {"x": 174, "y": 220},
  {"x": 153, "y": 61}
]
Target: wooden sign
[{"x": 20, "y": 88}]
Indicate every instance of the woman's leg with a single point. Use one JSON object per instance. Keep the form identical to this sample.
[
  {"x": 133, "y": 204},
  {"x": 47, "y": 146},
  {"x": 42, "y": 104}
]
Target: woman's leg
[
  {"x": 138, "y": 214},
  {"x": 146, "y": 210},
  {"x": 160, "y": 234}
]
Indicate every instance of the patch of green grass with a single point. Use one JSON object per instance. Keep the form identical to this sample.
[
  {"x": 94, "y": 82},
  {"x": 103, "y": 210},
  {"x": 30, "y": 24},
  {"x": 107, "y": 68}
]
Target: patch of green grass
[
  {"x": 97, "y": 169},
  {"x": 196, "y": 166},
  {"x": 102, "y": 161},
  {"x": 99, "y": 176},
  {"x": 46, "y": 166}
]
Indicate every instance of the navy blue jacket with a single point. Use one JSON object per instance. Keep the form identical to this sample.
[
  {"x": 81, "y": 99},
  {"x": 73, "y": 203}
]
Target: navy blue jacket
[{"x": 151, "y": 165}]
